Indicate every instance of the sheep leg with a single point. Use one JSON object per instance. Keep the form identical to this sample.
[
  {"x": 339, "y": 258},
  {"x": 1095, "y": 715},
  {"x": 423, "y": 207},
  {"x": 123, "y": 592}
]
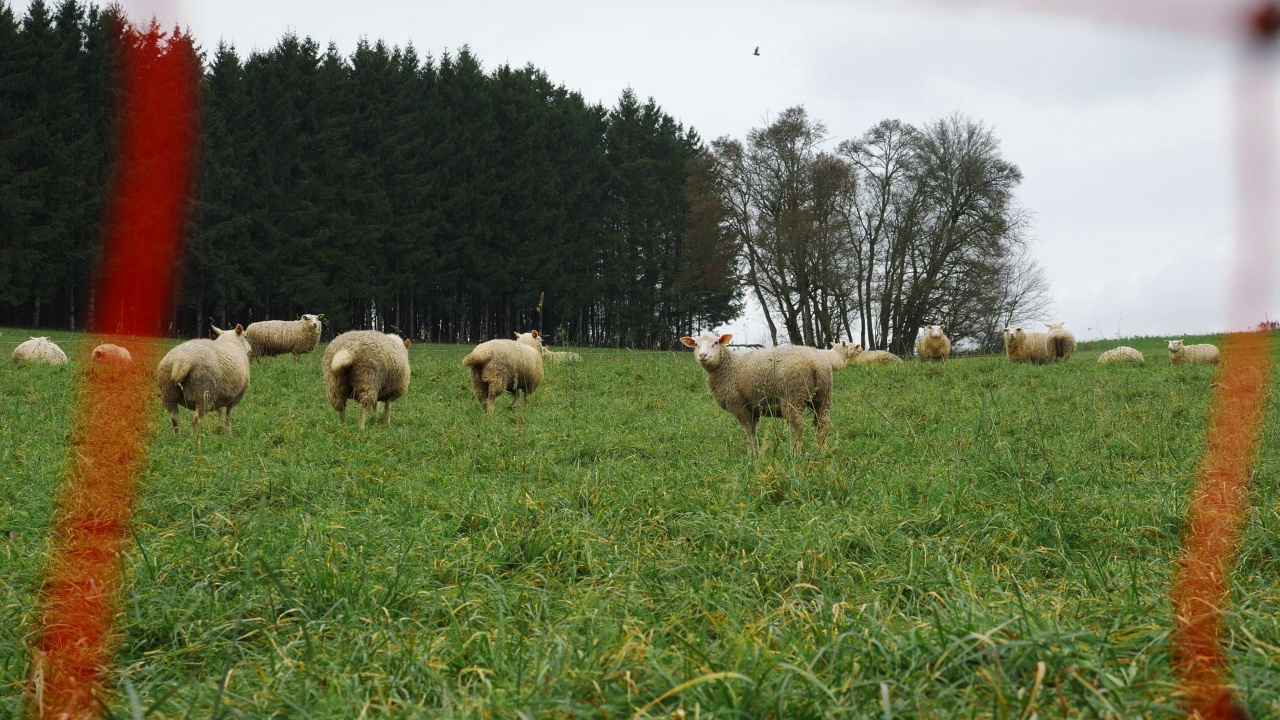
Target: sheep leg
[
  {"x": 342, "y": 412},
  {"x": 795, "y": 419},
  {"x": 173, "y": 416},
  {"x": 226, "y": 418},
  {"x": 195, "y": 421},
  {"x": 386, "y": 413},
  {"x": 748, "y": 420}
]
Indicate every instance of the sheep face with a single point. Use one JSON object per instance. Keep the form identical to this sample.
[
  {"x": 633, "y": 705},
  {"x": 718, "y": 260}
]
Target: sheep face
[
  {"x": 936, "y": 331},
  {"x": 1013, "y": 332},
  {"x": 706, "y": 348},
  {"x": 312, "y": 320},
  {"x": 1174, "y": 345}
]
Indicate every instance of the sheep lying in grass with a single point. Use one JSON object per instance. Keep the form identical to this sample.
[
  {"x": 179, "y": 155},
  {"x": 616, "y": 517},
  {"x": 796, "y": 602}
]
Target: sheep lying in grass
[
  {"x": 1204, "y": 354},
  {"x": 775, "y": 382},
  {"x": 1025, "y": 346},
  {"x": 934, "y": 344},
  {"x": 108, "y": 353},
  {"x": 558, "y": 357},
  {"x": 872, "y": 357},
  {"x": 277, "y": 337},
  {"x": 204, "y": 375},
  {"x": 1122, "y": 354},
  {"x": 1059, "y": 341},
  {"x": 499, "y": 366},
  {"x": 838, "y": 354},
  {"x": 39, "y": 351},
  {"x": 369, "y": 367}
]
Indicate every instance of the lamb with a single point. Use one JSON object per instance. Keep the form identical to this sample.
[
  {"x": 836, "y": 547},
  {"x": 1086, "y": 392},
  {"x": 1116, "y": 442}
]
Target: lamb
[
  {"x": 1122, "y": 354},
  {"x": 838, "y": 354},
  {"x": 277, "y": 337},
  {"x": 108, "y": 353},
  {"x": 499, "y": 366},
  {"x": 775, "y": 382},
  {"x": 204, "y": 375},
  {"x": 39, "y": 351},
  {"x": 1180, "y": 354},
  {"x": 369, "y": 367},
  {"x": 934, "y": 344},
  {"x": 1024, "y": 346},
  {"x": 1060, "y": 341},
  {"x": 555, "y": 357},
  {"x": 872, "y": 357}
]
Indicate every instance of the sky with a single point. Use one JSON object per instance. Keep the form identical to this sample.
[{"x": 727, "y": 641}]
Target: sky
[{"x": 1123, "y": 130}]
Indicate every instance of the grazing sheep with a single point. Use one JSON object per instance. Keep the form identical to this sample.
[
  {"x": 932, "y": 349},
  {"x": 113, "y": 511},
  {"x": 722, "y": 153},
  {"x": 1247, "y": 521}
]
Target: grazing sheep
[
  {"x": 775, "y": 382},
  {"x": 1025, "y": 346},
  {"x": 872, "y": 357},
  {"x": 369, "y": 367},
  {"x": 39, "y": 351},
  {"x": 108, "y": 353},
  {"x": 499, "y": 366},
  {"x": 934, "y": 344},
  {"x": 556, "y": 357},
  {"x": 1180, "y": 354},
  {"x": 204, "y": 375},
  {"x": 838, "y": 354},
  {"x": 1060, "y": 342},
  {"x": 277, "y": 337},
  {"x": 1122, "y": 354}
]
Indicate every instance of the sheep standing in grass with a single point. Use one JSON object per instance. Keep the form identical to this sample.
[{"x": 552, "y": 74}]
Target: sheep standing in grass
[
  {"x": 39, "y": 351},
  {"x": 1025, "y": 346},
  {"x": 1122, "y": 354},
  {"x": 934, "y": 344},
  {"x": 204, "y": 375},
  {"x": 108, "y": 353},
  {"x": 776, "y": 382},
  {"x": 499, "y": 366},
  {"x": 838, "y": 354},
  {"x": 872, "y": 357},
  {"x": 277, "y": 337},
  {"x": 368, "y": 367},
  {"x": 1180, "y": 354},
  {"x": 1060, "y": 342}
]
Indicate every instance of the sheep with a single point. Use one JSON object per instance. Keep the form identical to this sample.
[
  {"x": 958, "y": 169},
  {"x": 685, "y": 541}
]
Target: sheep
[
  {"x": 555, "y": 357},
  {"x": 934, "y": 344},
  {"x": 1060, "y": 342},
  {"x": 872, "y": 357},
  {"x": 776, "y": 382},
  {"x": 1122, "y": 354},
  {"x": 499, "y": 366},
  {"x": 369, "y": 367},
  {"x": 1180, "y": 354},
  {"x": 204, "y": 375},
  {"x": 838, "y": 354},
  {"x": 277, "y": 337},
  {"x": 108, "y": 353},
  {"x": 1025, "y": 346},
  {"x": 39, "y": 351}
]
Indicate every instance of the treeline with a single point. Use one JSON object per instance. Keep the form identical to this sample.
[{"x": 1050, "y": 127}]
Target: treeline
[{"x": 382, "y": 188}]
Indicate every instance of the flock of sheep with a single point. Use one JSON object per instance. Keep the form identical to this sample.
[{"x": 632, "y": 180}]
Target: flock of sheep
[{"x": 372, "y": 367}]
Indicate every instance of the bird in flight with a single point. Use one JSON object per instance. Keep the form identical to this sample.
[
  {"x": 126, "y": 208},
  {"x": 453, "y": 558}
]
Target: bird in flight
[{"x": 757, "y": 52}]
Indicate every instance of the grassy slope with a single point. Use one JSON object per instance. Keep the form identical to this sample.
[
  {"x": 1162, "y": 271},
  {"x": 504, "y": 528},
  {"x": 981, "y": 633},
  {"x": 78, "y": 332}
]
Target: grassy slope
[{"x": 586, "y": 554}]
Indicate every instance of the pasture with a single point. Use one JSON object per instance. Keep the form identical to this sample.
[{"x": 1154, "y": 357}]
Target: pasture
[{"x": 612, "y": 551}]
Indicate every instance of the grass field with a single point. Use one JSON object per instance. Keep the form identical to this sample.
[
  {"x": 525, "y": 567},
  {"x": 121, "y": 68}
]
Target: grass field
[{"x": 611, "y": 550}]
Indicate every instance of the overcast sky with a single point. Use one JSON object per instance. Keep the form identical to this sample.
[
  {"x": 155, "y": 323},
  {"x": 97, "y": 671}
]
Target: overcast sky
[{"x": 1123, "y": 134}]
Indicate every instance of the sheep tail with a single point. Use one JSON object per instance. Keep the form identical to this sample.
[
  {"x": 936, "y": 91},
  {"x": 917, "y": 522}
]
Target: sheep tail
[
  {"x": 180, "y": 370},
  {"x": 341, "y": 360}
]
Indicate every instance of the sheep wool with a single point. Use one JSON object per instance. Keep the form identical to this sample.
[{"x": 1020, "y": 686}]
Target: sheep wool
[
  {"x": 39, "y": 351},
  {"x": 369, "y": 367},
  {"x": 934, "y": 344},
  {"x": 499, "y": 366},
  {"x": 1059, "y": 341},
  {"x": 775, "y": 382},
  {"x": 277, "y": 337},
  {"x": 1204, "y": 354},
  {"x": 205, "y": 375},
  {"x": 108, "y": 353},
  {"x": 558, "y": 357},
  {"x": 872, "y": 357},
  {"x": 838, "y": 354},
  {"x": 1023, "y": 346},
  {"x": 1119, "y": 355}
]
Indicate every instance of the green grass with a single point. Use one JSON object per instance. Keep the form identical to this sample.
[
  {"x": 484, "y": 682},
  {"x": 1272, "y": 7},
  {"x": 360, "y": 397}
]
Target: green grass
[{"x": 612, "y": 543}]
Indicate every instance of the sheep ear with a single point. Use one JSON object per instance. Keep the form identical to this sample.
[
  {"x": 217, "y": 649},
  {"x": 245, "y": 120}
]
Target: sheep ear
[
  {"x": 689, "y": 341},
  {"x": 516, "y": 334},
  {"x": 535, "y": 334},
  {"x": 320, "y": 316},
  {"x": 942, "y": 327},
  {"x": 217, "y": 329},
  {"x": 239, "y": 329},
  {"x": 724, "y": 339},
  {"x": 407, "y": 342}
]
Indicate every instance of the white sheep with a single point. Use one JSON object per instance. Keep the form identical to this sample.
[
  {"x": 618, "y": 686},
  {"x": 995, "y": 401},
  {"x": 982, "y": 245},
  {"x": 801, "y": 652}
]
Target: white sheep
[
  {"x": 1059, "y": 341},
  {"x": 499, "y": 366},
  {"x": 558, "y": 357},
  {"x": 1122, "y": 354},
  {"x": 277, "y": 337},
  {"x": 934, "y": 344},
  {"x": 108, "y": 353},
  {"x": 872, "y": 357},
  {"x": 839, "y": 354},
  {"x": 775, "y": 382},
  {"x": 369, "y": 367},
  {"x": 204, "y": 375},
  {"x": 1204, "y": 354},
  {"x": 1025, "y": 346},
  {"x": 39, "y": 351}
]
